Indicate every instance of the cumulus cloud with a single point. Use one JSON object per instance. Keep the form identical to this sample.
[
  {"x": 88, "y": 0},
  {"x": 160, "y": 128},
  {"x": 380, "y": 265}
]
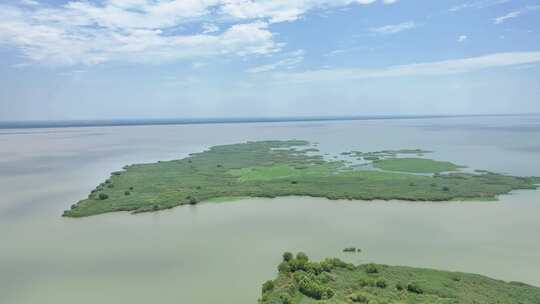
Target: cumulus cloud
[
  {"x": 445, "y": 67},
  {"x": 393, "y": 28},
  {"x": 462, "y": 38},
  {"x": 84, "y": 32}
]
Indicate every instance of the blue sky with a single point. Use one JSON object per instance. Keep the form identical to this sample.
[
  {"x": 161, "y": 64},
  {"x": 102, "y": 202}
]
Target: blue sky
[{"x": 236, "y": 58}]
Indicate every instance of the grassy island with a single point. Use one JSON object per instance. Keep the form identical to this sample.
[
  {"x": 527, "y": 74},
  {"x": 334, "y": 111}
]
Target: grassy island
[
  {"x": 285, "y": 168},
  {"x": 333, "y": 281}
]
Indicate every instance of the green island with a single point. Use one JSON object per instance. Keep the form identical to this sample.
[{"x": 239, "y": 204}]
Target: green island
[
  {"x": 333, "y": 281},
  {"x": 290, "y": 168}
]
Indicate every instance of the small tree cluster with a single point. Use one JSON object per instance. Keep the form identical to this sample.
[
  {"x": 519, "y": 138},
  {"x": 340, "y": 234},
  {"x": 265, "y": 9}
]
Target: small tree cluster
[{"x": 309, "y": 285}]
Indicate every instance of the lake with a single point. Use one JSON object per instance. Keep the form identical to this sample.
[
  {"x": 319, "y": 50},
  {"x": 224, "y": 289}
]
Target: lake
[{"x": 222, "y": 252}]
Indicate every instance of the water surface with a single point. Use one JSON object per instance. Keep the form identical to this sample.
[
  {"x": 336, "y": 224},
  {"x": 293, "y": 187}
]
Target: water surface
[{"x": 221, "y": 253}]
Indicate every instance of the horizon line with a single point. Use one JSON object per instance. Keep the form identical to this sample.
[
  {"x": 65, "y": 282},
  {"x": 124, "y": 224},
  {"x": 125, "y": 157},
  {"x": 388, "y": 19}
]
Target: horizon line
[{"x": 119, "y": 122}]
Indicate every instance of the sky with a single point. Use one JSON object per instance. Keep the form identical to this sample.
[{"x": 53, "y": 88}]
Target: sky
[{"x": 108, "y": 59}]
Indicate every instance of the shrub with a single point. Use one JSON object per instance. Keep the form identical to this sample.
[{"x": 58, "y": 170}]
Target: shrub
[
  {"x": 302, "y": 256},
  {"x": 127, "y": 193},
  {"x": 268, "y": 286},
  {"x": 414, "y": 288},
  {"x": 297, "y": 264},
  {"x": 371, "y": 268},
  {"x": 284, "y": 267},
  {"x": 381, "y": 283},
  {"x": 103, "y": 196},
  {"x": 192, "y": 200},
  {"x": 327, "y": 265},
  {"x": 445, "y": 188},
  {"x": 399, "y": 286},
  {"x": 131, "y": 188},
  {"x": 359, "y": 298},
  {"x": 311, "y": 287},
  {"x": 366, "y": 282},
  {"x": 110, "y": 186},
  {"x": 285, "y": 298},
  {"x": 294, "y": 182},
  {"x": 287, "y": 256},
  {"x": 314, "y": 268}
]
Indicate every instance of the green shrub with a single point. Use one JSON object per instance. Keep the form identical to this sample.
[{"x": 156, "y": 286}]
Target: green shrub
[
  {"x": 127, "y": 193},
  {"x": 358, "y": 298},
  {"x": 399, "y": 286},
  {"x": 103, "y": 196},
  {"x": 297, "y": 264},
  {"x": 287, "y": 256},
  {"x": 314, "y": 268},
  {"x": 285, "y": 298},
  {"x": 302, "y": 256},
  {"x": 192, "y": 200},
  {"x": 445, "y": 188},
  {"x": 311, "y": 287},
  {"x": 371, "y": 268},
  {"x": 284, "y": 267},
  {"x": 366, "y": 282},
  {"x": 414, "y": 288},
  {"x": 381, "y": 283},
  {"x": 268, "y": 286}
]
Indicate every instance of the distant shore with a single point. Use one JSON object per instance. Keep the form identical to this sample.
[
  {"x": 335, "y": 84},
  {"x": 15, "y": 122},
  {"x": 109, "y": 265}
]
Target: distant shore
[{"x": 36, "y": 124}]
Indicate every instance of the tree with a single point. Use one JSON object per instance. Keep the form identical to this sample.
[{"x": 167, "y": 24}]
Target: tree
[
  {"x": 267, "y": 286},
  {"x": 302, "y": 256},
  {"x": 103, "y": 196},
  {"x": 287, "y": 256}
]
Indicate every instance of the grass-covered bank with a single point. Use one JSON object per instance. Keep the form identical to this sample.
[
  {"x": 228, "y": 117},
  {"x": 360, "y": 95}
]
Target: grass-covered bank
[
  {"x": 285, "y": 168},
  {"x": 334, "y": 281}
]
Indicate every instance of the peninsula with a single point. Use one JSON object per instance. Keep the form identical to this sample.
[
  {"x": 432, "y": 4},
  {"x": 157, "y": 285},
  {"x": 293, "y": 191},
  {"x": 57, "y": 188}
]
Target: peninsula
[{"x": 287, "y": 168}]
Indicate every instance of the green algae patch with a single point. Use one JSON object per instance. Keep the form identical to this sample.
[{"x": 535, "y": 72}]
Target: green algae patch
[
  {"x": 415, "y": 165},
  {"x": 333, "y": 281},
  {"x": 284, "y": 168}
]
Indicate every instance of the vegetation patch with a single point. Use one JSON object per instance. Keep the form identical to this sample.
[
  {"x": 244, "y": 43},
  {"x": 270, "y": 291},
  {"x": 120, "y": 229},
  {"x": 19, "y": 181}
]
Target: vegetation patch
[
  {"x": 415, "y": 165},
  {"x": 278, "y": 168},
  {"x": 333, "y": 281}
]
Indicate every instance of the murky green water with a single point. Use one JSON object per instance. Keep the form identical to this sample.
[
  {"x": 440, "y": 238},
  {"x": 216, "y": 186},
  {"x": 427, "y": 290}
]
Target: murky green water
[{"x": 221, "y": 253}]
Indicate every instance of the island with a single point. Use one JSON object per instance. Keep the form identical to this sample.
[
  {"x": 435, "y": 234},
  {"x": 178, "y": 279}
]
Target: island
[
  {"x": 291, "y": 168},
  {"x": 334, "y": 281}
]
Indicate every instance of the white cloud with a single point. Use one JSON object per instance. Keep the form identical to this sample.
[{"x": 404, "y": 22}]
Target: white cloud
[
  {"x": 477, "y": 4},
  {"x": 393, "y": 28},
  {"x": 515, "y": 14},
  {"x": 293, "y": 59},
  {"x": 462, "y": 38},
  {"x": 510, "y": 15},
  {"x": 445, "y": 67},
  {"x": 84, "y": 32},
  {"x": 210, "y": 28}
]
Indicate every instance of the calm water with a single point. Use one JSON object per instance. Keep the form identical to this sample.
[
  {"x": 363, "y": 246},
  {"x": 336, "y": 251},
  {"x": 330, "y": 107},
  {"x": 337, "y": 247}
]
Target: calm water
[{"x": 221, "y": 253}]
